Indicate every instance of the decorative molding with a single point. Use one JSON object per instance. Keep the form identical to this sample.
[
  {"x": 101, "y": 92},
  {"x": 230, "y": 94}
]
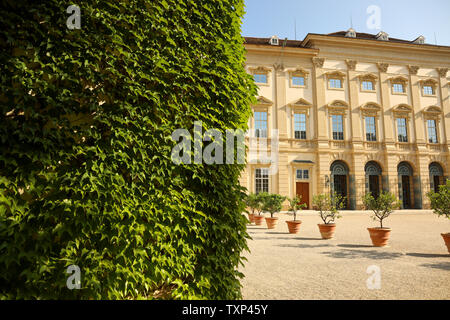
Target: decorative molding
[
  {"x": 351, "y": 64},
  {"x": 402, "y": 110},
  {"x": 318, "y": 62},
  {"x": 278, "y": 67},
  {"x": 338, "y": 107},
  {"x": 263, "y": 101},
  {"x": 300, "y": 103},
  {"x": 298, "y": 71},
  {"x": 413, "y": 69},
  {"x": 398, "y": 79},
  {"x": 429, "y": 81},
  {"x": 368, "y": 77},
  {"x": 370, "y": 109},
  {"x": 336, "y": 74},
  {"x": 432, "y": 112},
  {"x": 259, "y": 69},
  {"x": 442, "y": 72},
  {"x": 382, "y": 67}
]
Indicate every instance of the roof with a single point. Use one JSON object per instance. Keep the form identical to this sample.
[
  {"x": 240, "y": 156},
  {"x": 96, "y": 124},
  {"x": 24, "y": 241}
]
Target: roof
[
  {"x": 304, "y": 43},
  {"x": 265, "y": 41}
]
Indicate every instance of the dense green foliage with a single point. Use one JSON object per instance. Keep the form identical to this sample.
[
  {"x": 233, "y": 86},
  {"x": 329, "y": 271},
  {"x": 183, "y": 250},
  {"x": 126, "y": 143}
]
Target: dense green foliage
[
  {"x": 382, "y": 206},
  {"x": 295, "y": 205},
  {"x": 272, "y": 203},
  {"x": 440, "y": 201},
  {"x": 86, "y": 176},
  {"x": 329, "y": 206}
]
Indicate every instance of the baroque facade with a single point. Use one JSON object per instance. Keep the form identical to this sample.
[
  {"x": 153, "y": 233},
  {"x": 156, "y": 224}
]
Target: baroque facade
[{"x": 354, "y": 113}]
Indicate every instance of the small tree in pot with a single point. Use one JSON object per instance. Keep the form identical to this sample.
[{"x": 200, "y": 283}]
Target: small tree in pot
[
  {"x": 259, "y": 207},
  {"x": 272, "y": 203},
  {"x": 252, "y": 203},
  {"x": 440, "y": 203},
  {"x": 295, "y": 205},
  {"x": 382, "y": 207},
  {"x": 328, "y": 207}
]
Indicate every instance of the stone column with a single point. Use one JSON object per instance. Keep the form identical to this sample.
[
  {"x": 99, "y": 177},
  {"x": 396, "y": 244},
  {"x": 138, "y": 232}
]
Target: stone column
[
  {"x": 418, "y": 119},
  {"x": 318, "y": 78}
]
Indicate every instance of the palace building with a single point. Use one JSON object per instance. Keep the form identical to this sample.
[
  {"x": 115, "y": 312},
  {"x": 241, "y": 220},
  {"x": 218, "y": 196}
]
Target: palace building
[{"x": 355, "y": 112}]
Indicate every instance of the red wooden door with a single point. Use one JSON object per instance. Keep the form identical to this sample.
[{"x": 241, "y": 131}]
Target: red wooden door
[{"x": 302, "y": 189}]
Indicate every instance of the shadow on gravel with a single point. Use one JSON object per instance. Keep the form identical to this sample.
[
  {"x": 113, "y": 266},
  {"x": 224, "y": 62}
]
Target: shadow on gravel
[
  {"x": 354, "y": 254},
  {"x": 354, "y": 246},
  {"x": 442, "y": 266},
  {"x": 428, "y": 255},
  {"x": 301, "y": 245},
  {"x": 283, "y": 238}
]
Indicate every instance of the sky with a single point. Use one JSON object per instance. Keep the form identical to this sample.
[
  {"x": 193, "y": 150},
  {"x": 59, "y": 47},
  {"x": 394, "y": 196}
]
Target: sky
[{"x": 401, "y": 19}]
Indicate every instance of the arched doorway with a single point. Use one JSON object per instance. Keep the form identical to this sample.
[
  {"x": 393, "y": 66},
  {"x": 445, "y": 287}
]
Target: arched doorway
[
  {"x": 339, "y": 180},
  {"x": 405, "y": 173},
  {"x": 436, "y": 176},
  {"x": 373, "y": 178}
]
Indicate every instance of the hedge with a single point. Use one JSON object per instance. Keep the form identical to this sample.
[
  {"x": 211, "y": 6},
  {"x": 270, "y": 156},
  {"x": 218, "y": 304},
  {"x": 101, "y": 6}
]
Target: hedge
[{"x": 86, "y": 176}]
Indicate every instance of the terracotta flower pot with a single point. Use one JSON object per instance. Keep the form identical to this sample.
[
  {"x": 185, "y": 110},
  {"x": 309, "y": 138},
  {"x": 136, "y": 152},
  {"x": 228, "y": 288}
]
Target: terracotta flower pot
[
  {"x": 294, "y": 226},
  {"x": 379, "y": 236},
  {"x": 258, "y": 219},
  {"x": 327, "y": 230},
  {"x": 446, "y": 237},
  {"x": 250, "y": 217},
  {"x": 271, "y": 223}
]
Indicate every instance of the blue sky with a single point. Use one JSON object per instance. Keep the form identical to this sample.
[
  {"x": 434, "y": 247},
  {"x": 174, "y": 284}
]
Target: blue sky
[{"x": 399, "y": 18}]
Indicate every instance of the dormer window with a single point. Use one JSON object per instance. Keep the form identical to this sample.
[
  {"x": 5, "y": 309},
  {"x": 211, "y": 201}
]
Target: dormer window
[
  {"x": 382, "y": 36},
  {"x": 274, "y": 41},
  {"x": 420, "y": 40},
  {"x": 351, "y": 33}
]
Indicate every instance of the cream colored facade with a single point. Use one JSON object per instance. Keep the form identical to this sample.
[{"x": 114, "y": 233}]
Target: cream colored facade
[{"x": 408, "y": 169}]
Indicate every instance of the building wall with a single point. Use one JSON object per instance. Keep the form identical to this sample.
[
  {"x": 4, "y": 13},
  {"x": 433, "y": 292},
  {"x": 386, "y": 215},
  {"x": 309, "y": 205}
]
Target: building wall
[{"x": 280, "y": 99}]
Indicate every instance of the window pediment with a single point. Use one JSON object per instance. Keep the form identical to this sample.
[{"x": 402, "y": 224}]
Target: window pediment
[
  {"x": 370, "y": 109},
  {"x": 429, "y": 82},
  {"x": 402, "y": 110},
  {"x": 368, "y": 77},
  {"x": 335, "y": 75},
  {"x": 301, "y": 105},
  {"x": 299, "y": 71},
  {"x": 259, "y": 69},
  {"x": 263, "y": 101},
  {"x": 337, "y": 107},
  {"x": 399, "y": 79},
  {"x": 432, "y": 112}
]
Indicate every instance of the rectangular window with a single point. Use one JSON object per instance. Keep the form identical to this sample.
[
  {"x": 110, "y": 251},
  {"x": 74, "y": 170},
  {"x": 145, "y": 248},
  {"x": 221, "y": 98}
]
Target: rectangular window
[
  {"x": 298, "y": 81},
  {"x": 260, "y": 77},
  {"x": 338, "y": 127},
  {"x": 261, "y": 124},
  {"x": 371, "y": 130},
  {"x": 402, "y": 130},
  {"x": 262, "y": 180},
  {"x": 428, "y": 90},
  {"x": 305, "y": 174},
  {"x": 398, "y": 88},
  {"x": 432, "y": 132},
  {"x": 300, "y": 125},
  {"x": 367, "y": 85},
  {"x": 335, "y": 83},
  {"x": 302, "y": 174}
]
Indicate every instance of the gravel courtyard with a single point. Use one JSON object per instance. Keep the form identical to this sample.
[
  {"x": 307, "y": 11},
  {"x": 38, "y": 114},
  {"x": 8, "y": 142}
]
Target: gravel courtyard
[{"x": 414, "y": 265}]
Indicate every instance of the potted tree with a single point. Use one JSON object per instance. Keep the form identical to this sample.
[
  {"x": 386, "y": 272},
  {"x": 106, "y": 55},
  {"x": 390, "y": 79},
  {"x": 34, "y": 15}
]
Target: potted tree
[
  {"x": 272, "y": 203},
  {"x": 382, "y": 207},
  {"x": 295, "y": 205},
  {"x": 440, "y": 203},
  {"x": 258, "y": 204},
  {"x": 251, "y": 201},
  {"x": 328, "y": 207}
]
